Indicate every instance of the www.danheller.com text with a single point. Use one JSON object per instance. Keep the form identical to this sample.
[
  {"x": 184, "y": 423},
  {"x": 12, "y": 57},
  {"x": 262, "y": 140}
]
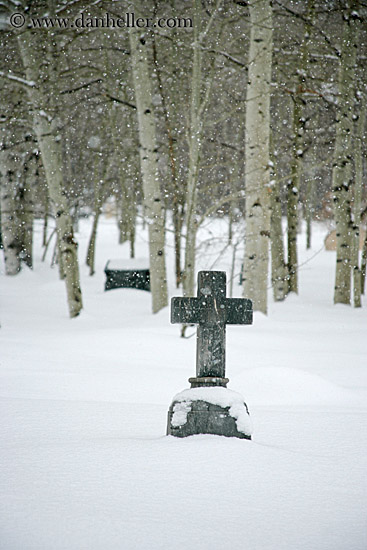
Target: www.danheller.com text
[{"x": 82, "y": 21}]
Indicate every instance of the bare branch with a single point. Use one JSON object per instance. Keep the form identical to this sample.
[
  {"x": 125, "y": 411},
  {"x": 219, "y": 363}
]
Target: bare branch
[
  {"x": 17, "y": 79},
  {"x": 86, "y": 85},
  {"x": 227, "y": 56},
  {"x": 118, "y": 100}
]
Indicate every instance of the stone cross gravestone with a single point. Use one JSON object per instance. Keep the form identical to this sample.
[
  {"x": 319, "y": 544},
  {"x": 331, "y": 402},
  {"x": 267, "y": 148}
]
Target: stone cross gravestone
[{"x": 207, "y": 407}]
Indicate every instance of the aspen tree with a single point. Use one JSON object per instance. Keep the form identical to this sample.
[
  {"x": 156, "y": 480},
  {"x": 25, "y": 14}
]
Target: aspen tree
[
  {"x": 153, "y": 204},
  {"x": 9, "y": 222},
  {"x": 279, "y": 275},
  {"x": 357, "y": 199},
  {"x": 195, "y": 136},
  {"x": 343, "y": 158},
  {"x": 198, "y": 102},
  {"x": 257, "y": 155},
  {"x": 26, "y": 208},
  {"x": 38, "y": 53},
  {"x": 293, "y": 187}
]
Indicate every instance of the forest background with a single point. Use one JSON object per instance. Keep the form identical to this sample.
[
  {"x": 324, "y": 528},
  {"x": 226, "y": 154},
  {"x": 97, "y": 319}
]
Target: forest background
[{"x": 248, "y": 111}]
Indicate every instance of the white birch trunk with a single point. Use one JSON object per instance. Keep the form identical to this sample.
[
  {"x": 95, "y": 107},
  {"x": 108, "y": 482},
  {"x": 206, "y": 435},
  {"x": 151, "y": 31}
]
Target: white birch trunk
[
  {"x": 293, "y": 188},
  {"x": 309, "y": 205},
  {"x": 26, "y": 210},
  {"x": 292, "y": 201},
  {"x": 197, "y": 107},
  {"x": 257, "y": 155},
  {"x": 46, "y": 129},
  {"x": 153, "y": 204},
  {"x": 195, "y": 134},
  {"x": 9, "y": 222},
  {"x": 279, "y": 274},
  {"x": 358, "y": 185},
  {"x": 169, "y": 98},
  {"x": 364, "y": 265},
  {"x": 304, "y": 70},
  {"x": 342, "y": 163},
  {"x": 91, "y": 252},
  {"x": 126, "y": 214}
]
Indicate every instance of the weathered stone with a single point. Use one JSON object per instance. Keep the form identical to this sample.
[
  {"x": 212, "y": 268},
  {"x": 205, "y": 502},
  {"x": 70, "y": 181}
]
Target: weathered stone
[
  {"x": 212, "y": 311},
  {"x": 205, "y": 418},
  {"x": 208, "y": 381}
]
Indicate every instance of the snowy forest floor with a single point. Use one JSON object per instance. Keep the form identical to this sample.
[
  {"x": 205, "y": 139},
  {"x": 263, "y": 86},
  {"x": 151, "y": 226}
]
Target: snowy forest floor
[{"x": 85, "y": 463}]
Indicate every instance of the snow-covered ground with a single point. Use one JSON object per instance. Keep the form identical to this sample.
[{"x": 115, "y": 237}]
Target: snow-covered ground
[{"x": 85, "y": 463}]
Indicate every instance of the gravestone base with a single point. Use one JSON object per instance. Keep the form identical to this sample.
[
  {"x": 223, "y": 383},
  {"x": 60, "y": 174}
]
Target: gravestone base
[
  {"x": 208, "y": 381},
  {"x": 191, "y": 414}
]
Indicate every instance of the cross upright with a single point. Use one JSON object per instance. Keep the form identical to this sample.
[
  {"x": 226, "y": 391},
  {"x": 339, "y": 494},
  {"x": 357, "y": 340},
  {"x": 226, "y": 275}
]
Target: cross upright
[{"x": 212, "y": 311}]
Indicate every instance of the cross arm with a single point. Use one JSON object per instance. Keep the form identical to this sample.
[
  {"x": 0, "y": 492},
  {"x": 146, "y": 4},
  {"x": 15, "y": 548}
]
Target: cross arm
[
  {"x": 238, "y": 311},
  {"x": 185, "y": 310}
]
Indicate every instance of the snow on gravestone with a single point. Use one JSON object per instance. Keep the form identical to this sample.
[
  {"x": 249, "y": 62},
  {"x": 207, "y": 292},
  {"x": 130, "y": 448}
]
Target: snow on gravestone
[{"x": 209, "y": 407}]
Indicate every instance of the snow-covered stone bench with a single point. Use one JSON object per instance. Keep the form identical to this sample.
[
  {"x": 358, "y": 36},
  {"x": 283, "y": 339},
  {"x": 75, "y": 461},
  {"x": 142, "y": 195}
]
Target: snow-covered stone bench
[{"x": 131, "y": 273}]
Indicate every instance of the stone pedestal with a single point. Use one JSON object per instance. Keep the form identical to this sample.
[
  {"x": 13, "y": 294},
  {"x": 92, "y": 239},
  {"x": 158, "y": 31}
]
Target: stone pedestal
[
  {"x": 208, "y": 382},
  {"x": 209, "y": 410}
]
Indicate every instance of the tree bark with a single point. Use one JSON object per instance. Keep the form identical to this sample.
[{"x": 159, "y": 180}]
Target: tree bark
[
  {"x": 364, "y": 266},
  {"x": 129, "y": 215},
  {"x": 195, "y": 135},
  {"x": 126, "y": 206},
  {"x": 279, "y": 275},
  {"x": 44, "y": 98},
  {"x": 292, "y": 200},
  {"x": 198, "y": 103},
  {"x": 153, "y": 205},
  {"x": 92, "y": 244},
  {"x": 9, "y": 222},
  {"x": 99, "y": 185},
  {"x": 257, "y": 155},
  {"x": 342, "y": 162},
  {"x": 126, "y": 215},
  {"x": 26, "y": 210},
  {"x": 169, "y": 99},
  {"x": 309, "y": 209},
  {"x": 122, "y": 219},
  {"x": 357, "y": 199},
  {"x": 45, "y": 220},
  {"x": 303, "y": 72}
]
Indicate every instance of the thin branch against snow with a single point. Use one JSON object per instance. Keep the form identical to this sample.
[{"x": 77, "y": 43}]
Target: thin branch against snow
[
  {"x": 210, "y": 22},
  {"x": 18, "y": 79},
  {"x": 213, "y": 140},
  {"x": 118, "y": 100},
  {"x": 77, "y": 88},
  {"x": 227, "y": 56},
  {"x": 311, "y": 54},
  {"x": 71, "y": 70}
]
